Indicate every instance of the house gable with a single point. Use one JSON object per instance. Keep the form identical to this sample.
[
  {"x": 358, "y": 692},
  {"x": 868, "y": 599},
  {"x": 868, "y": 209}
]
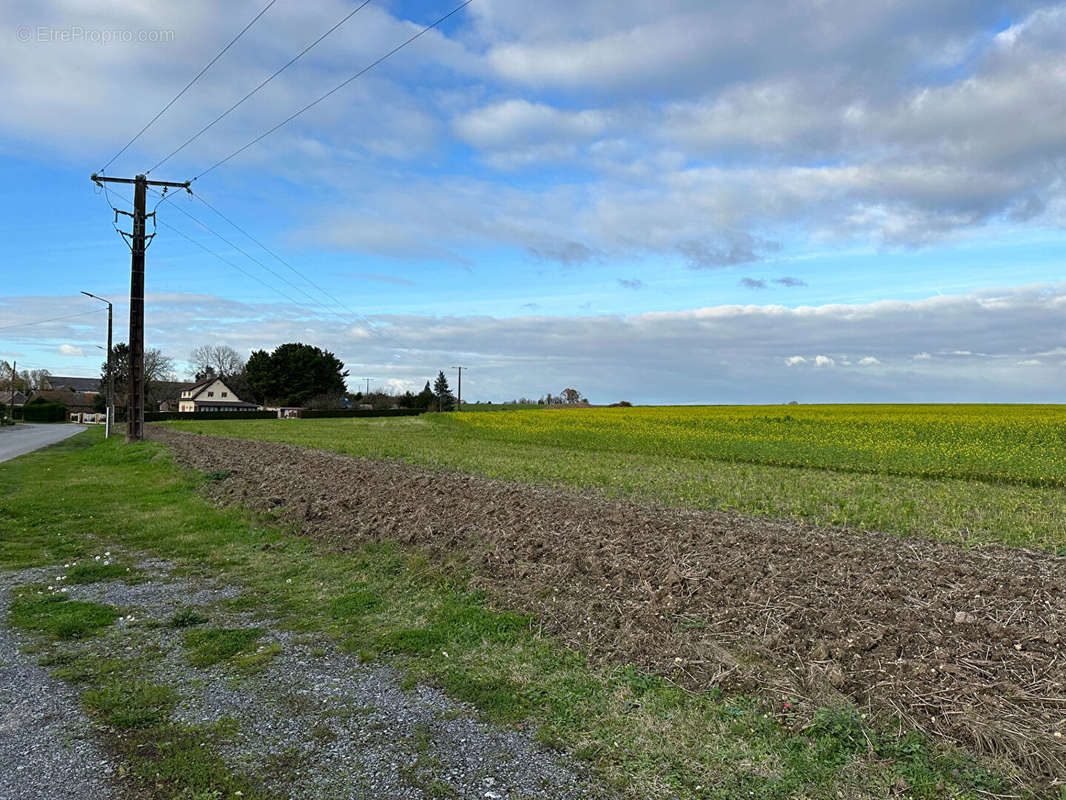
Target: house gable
[{"x": 211, "y": 393}]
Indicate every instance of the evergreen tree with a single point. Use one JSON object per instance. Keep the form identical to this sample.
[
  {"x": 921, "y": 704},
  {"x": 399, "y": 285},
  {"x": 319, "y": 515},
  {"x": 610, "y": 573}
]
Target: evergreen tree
[
  {"x": 424, "y": 398},
  {"x": 443, "y": 393},
  {"x": 293, "y": 374}
]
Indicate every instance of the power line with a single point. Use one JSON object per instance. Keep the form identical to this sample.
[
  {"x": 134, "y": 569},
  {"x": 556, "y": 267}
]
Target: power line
[
  {"x": 189, "y": 84},
  {"x": 252, "y": 258},
  {"x": 293, "y": 269},
  {"x": 288, "y": 64},
  {"x": 336, "y": 88},
  {"x": 50, "y": 319},
  {"x": 224, "y": 260}
]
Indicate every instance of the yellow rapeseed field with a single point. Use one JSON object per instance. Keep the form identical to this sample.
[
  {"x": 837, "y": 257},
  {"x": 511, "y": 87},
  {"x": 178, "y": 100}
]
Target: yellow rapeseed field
[{"x": 1001, "y": 443}]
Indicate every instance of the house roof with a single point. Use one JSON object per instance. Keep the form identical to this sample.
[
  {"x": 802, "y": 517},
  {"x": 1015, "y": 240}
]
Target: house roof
[
  {"x": 227, "y": 403},
  {"x": 199, "y": 386},
  {"x": 66, "y": 397},
  {"x": 158, "y": 391},
  {"x": 5, "y": 398},
  {"x": 60, "y": 382}
]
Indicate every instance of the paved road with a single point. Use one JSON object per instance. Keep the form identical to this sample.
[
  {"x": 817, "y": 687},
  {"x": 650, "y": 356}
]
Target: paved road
[{"x": 27, "y": 437}]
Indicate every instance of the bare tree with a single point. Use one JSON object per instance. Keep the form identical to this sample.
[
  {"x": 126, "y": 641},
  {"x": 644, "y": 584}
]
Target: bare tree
[
  {"x": 35, "y": 379},
  {"x": 157, "y": 367},
  {"x": 216, "y": 359}
]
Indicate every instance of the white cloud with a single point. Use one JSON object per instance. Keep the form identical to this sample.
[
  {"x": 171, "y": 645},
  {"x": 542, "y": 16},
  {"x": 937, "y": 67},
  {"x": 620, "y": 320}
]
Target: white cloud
[
  {"x": 714, "y": 354},
  {"x": 869, "y": 361},
  {"x": 921, "y": 356},
  {"x": 70, "y": 350}
]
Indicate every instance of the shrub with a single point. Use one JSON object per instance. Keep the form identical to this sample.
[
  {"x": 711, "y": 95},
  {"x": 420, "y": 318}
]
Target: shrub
[{"x": 44, "y": 412}]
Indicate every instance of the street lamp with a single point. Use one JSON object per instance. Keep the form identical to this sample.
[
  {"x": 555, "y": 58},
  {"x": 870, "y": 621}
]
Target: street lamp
[{"x": 110, "y": 413}]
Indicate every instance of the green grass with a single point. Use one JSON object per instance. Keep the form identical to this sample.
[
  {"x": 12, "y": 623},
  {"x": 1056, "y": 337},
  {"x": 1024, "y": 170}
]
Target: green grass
[
  {"x": 93, "y": 571},
  {"x": 187, "y": 618},
  {"x": 53, "y": 614},
  {"x": 639, "y": 732},
  {"x": 213, "y": 645},
  {"x": 680, "y": 465}
]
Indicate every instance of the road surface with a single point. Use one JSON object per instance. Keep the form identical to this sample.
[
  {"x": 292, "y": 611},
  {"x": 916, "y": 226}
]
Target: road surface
[{"x": 27, "y": 437}]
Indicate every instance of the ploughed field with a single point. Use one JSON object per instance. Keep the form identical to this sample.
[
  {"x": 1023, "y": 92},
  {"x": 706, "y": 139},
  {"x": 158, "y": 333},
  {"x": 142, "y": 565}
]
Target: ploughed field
[
  {"x": 967, "y": 473},
  {"x": 963, "y": 642}
]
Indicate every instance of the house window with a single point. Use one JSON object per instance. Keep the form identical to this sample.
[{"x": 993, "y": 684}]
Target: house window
[
  {"x": 210, "y": 394},
  {"x": 225, "y": 394}
]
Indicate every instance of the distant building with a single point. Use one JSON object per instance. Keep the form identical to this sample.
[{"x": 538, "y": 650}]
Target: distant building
[
  {"x": 211, "y": 394},
  {"x": 74, "y": 401},
  {"x": 84, "y": 385},
  {"x": 19, "y": 398}
]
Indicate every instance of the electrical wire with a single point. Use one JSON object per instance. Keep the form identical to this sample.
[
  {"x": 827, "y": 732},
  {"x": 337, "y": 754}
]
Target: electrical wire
[
  {"x": 362, "y": 318},
  {"x": 189, "y": 85},
  {"x": 51, "y": 319},
  {"x": 252, "y": 258},
  {"x": 233, "y": 107},
  {"x": 224, "y": 260},
  {"x": 335, "y": 89}
]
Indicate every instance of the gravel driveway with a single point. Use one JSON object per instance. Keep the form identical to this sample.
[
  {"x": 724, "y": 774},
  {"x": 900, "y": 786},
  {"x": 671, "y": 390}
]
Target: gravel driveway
[{"x": 47, "y": 751}]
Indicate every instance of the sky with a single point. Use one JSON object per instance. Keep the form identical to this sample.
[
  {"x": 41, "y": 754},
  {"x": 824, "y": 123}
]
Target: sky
[{"x": 685, "y": 201}]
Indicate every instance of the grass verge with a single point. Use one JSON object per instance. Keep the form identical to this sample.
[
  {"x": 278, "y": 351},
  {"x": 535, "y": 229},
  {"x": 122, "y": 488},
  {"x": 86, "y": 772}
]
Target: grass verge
[{"x": 641, "y": 733}]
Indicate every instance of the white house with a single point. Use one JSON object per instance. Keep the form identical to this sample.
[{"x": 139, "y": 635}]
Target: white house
[{"x": 211, "y": 394}]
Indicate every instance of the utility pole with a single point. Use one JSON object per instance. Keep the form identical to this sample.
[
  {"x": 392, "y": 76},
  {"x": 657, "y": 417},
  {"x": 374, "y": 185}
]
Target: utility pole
[
  {"x": 460, "y": 399},
  {"x": 12, "y": 398},
  {"x": 367, "y": 387},
  {"x": 138, "y": 243},
  {"x": 109, "y": 411}
]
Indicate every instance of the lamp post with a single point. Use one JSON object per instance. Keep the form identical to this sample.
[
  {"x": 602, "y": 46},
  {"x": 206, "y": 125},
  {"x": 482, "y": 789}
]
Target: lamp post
[{"x": 109, "y": 415}]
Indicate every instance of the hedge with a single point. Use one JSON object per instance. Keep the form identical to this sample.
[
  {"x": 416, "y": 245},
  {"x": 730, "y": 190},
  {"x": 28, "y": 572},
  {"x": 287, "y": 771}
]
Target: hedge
[
  {"x": 158, "y": 416},
  {"x": 355, "y": 412},
  {"x": 44, "y": 412}
]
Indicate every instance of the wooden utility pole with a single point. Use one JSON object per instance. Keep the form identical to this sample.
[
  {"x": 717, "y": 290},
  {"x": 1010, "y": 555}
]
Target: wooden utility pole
[
  {"x": 460, "y": 388},
  {"x": 138, "y": 242}
]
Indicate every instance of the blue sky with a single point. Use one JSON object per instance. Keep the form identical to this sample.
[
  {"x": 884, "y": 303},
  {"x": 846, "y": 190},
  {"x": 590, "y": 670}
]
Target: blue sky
[{"x": 685, "y": 201}]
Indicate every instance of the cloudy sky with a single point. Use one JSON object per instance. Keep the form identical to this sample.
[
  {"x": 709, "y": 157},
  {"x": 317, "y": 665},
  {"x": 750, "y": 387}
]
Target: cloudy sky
[{"x": 673, "y": 201}]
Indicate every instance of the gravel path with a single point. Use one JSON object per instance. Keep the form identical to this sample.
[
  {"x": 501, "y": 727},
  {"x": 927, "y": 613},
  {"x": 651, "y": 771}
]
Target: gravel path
[
  {"x": 47, "y": 751},
  {"x": 314, "y": 722}
]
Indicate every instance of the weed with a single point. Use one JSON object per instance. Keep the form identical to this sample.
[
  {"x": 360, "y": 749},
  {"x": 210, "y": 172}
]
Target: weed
[
  {"x": 187, "y": 618},
  {"x": 132, "y": 704},
  {"x": 210, "y": 646}
]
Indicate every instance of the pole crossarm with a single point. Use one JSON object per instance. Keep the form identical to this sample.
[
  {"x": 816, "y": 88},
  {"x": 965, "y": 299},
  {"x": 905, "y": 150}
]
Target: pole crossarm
[{"x": 102, "y": 179}]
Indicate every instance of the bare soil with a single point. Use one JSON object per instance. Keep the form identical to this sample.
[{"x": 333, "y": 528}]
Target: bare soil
[{"x": 966, "y": 644}]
